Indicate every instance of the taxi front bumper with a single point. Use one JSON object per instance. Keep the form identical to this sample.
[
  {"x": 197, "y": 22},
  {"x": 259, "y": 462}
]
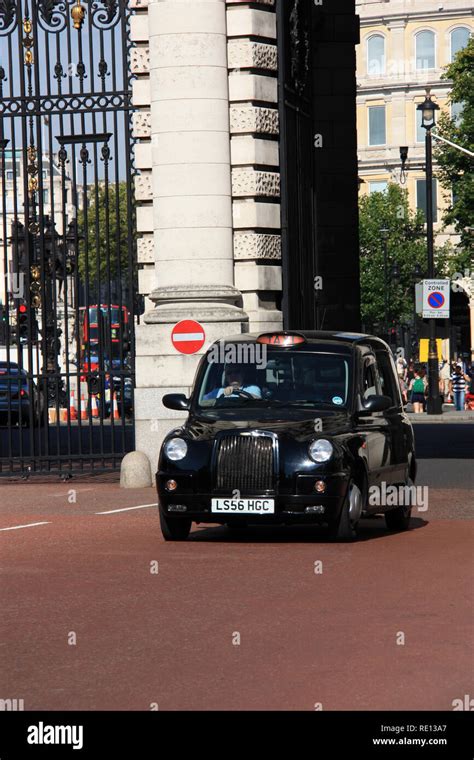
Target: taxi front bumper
[{"x": 306, "y": 505}]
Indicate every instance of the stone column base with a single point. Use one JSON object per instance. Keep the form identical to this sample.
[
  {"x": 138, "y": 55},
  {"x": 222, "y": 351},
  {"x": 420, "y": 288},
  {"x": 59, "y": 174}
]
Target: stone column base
[{"x": 161, "y": 369}]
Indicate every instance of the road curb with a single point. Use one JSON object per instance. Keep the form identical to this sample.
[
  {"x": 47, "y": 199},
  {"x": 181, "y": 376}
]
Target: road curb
[{"x": 446, "y": 419}]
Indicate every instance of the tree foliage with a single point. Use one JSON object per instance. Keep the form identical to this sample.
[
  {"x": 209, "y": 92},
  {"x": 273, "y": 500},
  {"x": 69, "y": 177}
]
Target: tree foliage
[
  {"x": 456, "y": 169},
  {"x": 103, "y": 232},
  {"x": 406, "y": 245}
]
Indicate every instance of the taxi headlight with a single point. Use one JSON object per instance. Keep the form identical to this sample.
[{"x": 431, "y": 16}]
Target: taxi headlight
[
  {"x": 320, "y": 450},
  {"x": 176, "y": 448}
]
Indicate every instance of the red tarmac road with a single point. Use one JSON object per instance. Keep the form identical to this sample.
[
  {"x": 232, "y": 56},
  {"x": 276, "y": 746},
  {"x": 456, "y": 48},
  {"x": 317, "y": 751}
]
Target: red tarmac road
[{"x": 167, "y": 638}]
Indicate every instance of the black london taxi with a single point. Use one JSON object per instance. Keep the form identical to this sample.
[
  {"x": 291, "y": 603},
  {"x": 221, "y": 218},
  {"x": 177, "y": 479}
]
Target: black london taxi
[{"x": 284, "y": 428}]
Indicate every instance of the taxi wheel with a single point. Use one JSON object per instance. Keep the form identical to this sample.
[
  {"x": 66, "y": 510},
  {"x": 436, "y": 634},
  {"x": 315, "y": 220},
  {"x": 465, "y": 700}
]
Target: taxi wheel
[
  {"x": 399, "y": 518},
  {"x": 174, "y": 528},
  {"x": 342, "y": 528},
  {"x": 238, "y": 529}
]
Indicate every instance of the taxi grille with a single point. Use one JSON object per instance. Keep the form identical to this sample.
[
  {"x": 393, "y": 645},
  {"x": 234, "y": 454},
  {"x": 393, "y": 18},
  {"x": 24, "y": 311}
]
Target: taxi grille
[{"x": 245, "y": 462}]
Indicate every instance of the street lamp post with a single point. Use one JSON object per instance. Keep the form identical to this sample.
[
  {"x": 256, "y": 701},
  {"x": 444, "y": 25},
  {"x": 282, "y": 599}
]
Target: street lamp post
[
  {"x": 403, "y": 159},
  {"x": 428, "y": 109},
  {"x": 385, "y": 234},
  {"x": 391, "y": 274},
  {"x": 417, "y": 275}
]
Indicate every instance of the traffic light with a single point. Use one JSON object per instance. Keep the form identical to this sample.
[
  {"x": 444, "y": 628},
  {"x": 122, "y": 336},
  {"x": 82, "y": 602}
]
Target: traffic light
[
  {"x": 458, "y": 334},
  {"x": 22, "y": 321}
]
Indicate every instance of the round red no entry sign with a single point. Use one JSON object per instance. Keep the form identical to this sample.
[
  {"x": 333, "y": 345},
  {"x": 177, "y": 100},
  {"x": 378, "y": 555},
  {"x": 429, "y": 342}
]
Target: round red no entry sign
[{"x": 188, "y": 336}]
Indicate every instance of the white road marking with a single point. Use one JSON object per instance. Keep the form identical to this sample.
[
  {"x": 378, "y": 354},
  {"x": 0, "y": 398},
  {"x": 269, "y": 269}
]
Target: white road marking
[
  {"x": 126, "y": 509},
  {"x": 29, "y": 525}
]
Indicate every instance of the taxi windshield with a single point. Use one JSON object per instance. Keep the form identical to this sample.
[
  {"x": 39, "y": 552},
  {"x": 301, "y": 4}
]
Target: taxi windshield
[{"x": 279, "y": 378}]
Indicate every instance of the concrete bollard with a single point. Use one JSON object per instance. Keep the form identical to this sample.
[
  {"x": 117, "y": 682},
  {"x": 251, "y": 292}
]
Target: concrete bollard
[{"x": 135, "y": 471}]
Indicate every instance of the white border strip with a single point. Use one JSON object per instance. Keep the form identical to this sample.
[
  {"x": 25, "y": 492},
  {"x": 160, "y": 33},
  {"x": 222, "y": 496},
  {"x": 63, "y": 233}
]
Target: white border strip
[{"x": 126, "y": 509}]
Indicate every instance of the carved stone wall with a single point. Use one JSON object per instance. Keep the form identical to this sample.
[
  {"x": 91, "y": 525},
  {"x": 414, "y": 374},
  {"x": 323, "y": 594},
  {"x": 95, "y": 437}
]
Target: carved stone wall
[
  {"x": 141, "y": 124},
  {"x": 253, "y": 65},
  {"x": 140, "y": 60},
  {"x": 247, "y": 119},
  {"x": 256, "y": 55},
  {"x": 251, "y": 183},
  {"x": 252, "y": 245}
]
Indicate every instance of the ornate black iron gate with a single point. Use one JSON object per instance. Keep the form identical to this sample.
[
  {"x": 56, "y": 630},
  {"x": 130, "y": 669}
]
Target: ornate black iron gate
[
  {"x": 298, "y": 222},
  {"x": 67, "y": 230},
  {"x": 318, "y": 162}
]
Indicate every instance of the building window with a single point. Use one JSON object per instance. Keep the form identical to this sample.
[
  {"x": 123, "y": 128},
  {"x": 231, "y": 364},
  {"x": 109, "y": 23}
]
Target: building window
[
  {"x": 420, "y": 131},
  {"x": 459, "y": 40},
  {"x": 421, "y": 198},
  {"x": 379, "y": 186},
  {"x": 425, "y": 50},
  {"x": 456, "y": 112},
  {"x": 376, "y": 55},
  {"x": 10, "y": 175},
  {"x": 377, "y": 135},
  {"x": 45, "y": 196}
]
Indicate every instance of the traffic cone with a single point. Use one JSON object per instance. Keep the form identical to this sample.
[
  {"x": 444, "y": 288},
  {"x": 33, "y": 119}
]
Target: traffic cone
[
  {"x": 63, "y": 414},
  {"x": 94, "y": 407},
  {"x": 115, "y": 410},
  {"x": 83, "y": 408},
  {"x": 72, "y": 407}
]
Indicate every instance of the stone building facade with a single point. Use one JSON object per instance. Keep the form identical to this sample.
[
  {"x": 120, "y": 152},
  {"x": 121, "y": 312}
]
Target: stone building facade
[{"x": 404, "y": 49}]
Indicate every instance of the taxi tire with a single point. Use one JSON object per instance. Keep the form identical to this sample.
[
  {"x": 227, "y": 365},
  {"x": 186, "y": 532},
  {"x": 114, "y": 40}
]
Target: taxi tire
[
  {"x": 238, "y": 529},
  {"x": 174, "y": 528},
  {"x": 399, "y": 518},
  {"x": 341, "y": 528}
]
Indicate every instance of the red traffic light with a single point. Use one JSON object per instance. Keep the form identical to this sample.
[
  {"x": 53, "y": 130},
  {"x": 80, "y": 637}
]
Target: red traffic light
[{"x": 22, "y": 309}]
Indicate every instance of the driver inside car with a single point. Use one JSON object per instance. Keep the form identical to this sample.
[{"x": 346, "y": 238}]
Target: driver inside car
[{"x": 234, "y": 381}]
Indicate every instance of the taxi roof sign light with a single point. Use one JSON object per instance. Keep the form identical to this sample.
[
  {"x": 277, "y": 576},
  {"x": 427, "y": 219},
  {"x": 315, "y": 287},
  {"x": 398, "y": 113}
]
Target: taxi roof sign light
[{"x": 284, "y": 339}]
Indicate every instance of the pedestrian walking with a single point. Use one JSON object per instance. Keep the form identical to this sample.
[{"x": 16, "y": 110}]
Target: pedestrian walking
[
  {"x": 457, "y": 386},
  {"x": 424, "y": 377},
  {"x": 418, "y": 386},
  {"x": 469, "y": 401},
  {"x": 444, "y": 377},
  {"x": 402, "y": 366}
]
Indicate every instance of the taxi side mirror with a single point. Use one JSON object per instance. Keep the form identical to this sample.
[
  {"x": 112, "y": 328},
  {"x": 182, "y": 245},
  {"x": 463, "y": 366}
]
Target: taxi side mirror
[
  {"x": 176, "y": 401},
  {"x": 376, "y": 404}
]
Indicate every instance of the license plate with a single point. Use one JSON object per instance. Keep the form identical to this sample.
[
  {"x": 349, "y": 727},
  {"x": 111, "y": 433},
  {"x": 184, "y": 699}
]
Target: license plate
[{"x": 244, "y": 506}]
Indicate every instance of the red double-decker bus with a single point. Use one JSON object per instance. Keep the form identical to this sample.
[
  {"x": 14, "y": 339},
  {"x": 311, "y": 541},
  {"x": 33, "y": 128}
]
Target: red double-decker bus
[{"x": 104, "y": 332}]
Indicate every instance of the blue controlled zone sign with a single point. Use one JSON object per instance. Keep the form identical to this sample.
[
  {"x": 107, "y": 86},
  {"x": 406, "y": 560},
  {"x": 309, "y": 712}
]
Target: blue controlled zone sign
[{"x": 436, "y": 299}]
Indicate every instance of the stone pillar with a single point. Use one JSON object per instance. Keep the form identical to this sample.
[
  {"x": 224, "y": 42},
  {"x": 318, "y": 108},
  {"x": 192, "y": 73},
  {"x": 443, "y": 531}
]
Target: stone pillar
[{"x": 192, "y": 205}]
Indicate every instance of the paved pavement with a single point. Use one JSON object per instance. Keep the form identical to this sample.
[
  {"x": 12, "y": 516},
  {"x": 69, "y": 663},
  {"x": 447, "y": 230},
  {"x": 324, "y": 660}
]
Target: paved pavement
[{"x": 88, "y": 623}]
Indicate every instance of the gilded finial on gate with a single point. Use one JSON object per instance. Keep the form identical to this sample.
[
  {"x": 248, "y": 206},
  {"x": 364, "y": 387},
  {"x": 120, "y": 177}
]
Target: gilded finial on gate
[{"x": 78, "y": 13}]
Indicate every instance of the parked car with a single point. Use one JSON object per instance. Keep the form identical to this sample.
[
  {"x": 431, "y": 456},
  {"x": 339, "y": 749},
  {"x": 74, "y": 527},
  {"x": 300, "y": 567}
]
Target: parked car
[
  {"x": 301, "y": 437},
  {"x": 20, "y": 400}
]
